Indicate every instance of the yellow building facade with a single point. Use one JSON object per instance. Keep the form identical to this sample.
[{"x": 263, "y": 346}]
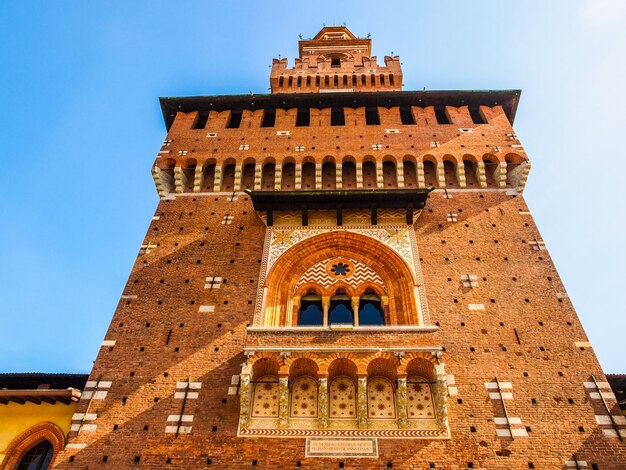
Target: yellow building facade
[{"x": 36, "y": 412}]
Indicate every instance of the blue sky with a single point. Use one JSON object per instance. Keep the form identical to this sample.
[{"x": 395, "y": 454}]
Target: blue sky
[{"x": 81, "y": 124}]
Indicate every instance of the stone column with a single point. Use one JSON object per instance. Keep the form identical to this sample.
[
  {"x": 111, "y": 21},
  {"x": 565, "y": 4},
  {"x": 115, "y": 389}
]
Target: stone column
[
  {"x": 361, "y": 403},
  {"x": 355, "y": 309},
  {"x": 245, "y": 390},
  {"x": 401, "y": 403},
  {"x": 326, "y": 308},
  {"x": 283, "y": 403},
  {"x": 322, "y": 402}
]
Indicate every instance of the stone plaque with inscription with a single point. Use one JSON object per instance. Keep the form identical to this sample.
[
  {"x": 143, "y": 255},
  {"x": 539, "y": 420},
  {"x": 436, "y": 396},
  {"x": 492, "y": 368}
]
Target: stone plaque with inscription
[{"x": 341, "y": 447}]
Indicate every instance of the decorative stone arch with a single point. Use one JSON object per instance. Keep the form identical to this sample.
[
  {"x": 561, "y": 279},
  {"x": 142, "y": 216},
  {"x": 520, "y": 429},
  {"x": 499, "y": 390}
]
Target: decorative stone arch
[
  {"x": 396, "y": 275},
  {"x": 45, "y": 431}
]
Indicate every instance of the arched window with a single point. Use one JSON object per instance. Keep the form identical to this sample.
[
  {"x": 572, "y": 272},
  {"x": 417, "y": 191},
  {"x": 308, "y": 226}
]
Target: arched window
[
  {"x": 370, "y": 310},
  {"x": 340, "y": 309},
  {"x": 38, "y": 457},
  {"x": 311, "y": 312}
]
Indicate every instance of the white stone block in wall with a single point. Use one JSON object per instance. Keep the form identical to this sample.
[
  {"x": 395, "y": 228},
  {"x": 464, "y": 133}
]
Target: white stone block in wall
[
  {"x": 621, "y": 420},
  {"x": 108, "y": 342},
  {"x": 603, "y": 419},
  {"x": 104, "y": 384},
  {"x": 502, "y": 420},
  {"x": 577, "y": 464},
  {"x": 206, "y": 309},
  {"x": 190, "y": 395},
  {"x": 503, "y": 432},
  {"x": 234, "y": 380},
  {"x": 100, "y": 395},
  {"x": 453, "y": 391},
  {"x": 494, "y": 385},
  {"x": 476, "y": 307},
  {"x": 232, "y": 390},
  {"x": 91, "y": 384},
  {"x": 76, "y": 445},
  {"x": 185, "y": 418},
  {"x": 521, "y": 432},
  {"x": 450, "y": 379}
]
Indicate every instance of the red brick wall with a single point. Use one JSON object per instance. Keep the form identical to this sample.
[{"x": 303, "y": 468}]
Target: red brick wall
[{"x": 517, "y": 285}]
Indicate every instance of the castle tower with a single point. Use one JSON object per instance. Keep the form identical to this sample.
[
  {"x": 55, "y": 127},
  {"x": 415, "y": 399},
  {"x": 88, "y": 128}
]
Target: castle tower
[{"x": 342, "y": 274}]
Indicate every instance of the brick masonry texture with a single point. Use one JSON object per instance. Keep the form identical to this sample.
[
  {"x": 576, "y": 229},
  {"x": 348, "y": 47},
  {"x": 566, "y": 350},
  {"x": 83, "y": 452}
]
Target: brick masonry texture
[{"x": 525, "y": 334}]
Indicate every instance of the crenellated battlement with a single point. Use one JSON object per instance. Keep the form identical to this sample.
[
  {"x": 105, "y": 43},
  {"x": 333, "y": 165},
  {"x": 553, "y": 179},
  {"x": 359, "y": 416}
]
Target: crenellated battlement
[{"x": 335, "y": 60}]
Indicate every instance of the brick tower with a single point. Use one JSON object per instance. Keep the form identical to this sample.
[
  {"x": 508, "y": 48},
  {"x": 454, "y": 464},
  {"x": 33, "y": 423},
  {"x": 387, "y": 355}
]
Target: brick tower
[{"x": 341, "y": 274}]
